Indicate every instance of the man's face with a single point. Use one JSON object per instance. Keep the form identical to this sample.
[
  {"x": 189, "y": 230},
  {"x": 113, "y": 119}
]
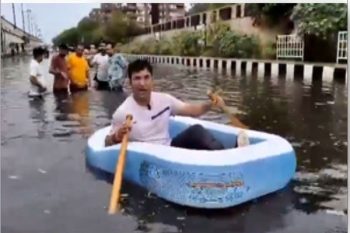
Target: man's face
[
  {"x": 40, "y": 58},
  {"x": 141, "y": 84},
  {"x": 109, "y": 50},
  {"x": 63, "y": 52},
  {"x": 79, "y": 50}
]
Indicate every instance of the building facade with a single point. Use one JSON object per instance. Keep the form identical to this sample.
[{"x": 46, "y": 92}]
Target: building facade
[{"x": 145, "y": 14}]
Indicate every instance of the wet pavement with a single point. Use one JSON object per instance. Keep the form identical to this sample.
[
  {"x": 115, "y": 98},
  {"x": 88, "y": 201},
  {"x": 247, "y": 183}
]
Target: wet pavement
[{"x": 48, "y": 187}]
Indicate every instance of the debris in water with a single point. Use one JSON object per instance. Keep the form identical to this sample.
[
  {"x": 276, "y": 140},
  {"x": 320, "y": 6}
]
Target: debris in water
[
  {"x": 42, "y": 171},
  {"x": 181, "y": 218},
  {"x": 296, "y": 144},
  {"x": 47, "y": 211},
  {"x": 312, "y": 144},
  {"x": 13, "y": 177},
  {"x": 335, "y": 212},
  {"x": 150, "y": 195},
  {"x": 307, "y": 161}
]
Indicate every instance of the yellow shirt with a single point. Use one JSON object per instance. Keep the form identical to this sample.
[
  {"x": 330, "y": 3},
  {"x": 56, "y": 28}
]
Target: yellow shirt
[{"x": 78, "y": 70}]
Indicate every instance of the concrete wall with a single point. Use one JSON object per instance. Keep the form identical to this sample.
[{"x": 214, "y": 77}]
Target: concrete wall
[
  {"x": 240, "y": 25},
  {"x": 12, "y": 39},
  {"x": 237, "y": 21},
  {"x": 309, "y": 72}
]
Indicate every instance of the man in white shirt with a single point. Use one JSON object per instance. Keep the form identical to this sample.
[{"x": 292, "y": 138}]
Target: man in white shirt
[
  {"x": 100, "y": 60},
  {"x": 151, "y": 113},
  {"x": 36, "y": 76}
]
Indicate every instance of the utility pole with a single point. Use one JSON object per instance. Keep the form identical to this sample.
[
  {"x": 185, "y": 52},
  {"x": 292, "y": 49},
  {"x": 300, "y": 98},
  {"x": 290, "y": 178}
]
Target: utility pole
[
  {"x": 23, "y": 24},
  {"x": 14, "y": 14},
  {"x": 32, "y": 24},
  {"x": 28, "y": 21}
]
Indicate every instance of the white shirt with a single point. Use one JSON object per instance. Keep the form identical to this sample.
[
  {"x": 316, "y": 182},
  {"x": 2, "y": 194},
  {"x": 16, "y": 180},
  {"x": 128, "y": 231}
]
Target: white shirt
[
  {"x": 36, "y": 70},
  {"x": 102, "y": 66},
  {"x": 149, "y": 125}
]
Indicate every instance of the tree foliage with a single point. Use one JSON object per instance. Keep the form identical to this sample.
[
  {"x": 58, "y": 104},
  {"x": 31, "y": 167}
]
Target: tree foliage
[
  {"x": 321, "y": 20},
  {"x": 69, "y": 36},
  {"x": 117, "y": 29},
  {"x": 187, "y": 43}
]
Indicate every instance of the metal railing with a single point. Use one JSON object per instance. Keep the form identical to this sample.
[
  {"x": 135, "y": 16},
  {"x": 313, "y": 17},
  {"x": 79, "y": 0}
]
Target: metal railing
[
  {"x": 289, "y": 46},
  {"x": 342, "y": 47}
]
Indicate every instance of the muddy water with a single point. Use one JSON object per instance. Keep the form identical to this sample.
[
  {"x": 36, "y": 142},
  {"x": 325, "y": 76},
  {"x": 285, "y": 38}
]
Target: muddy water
[{"x": 47, "y": 186}]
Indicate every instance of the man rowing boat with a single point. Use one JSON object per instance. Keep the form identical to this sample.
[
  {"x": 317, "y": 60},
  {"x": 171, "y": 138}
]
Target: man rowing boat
[{"x": 151, "y": 112}]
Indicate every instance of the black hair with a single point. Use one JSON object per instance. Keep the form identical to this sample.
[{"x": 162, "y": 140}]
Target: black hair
[
  {"x": 63, "y": 46},
  {"x": 138, "y": 65},
  {"x": 38, "y": 51}
]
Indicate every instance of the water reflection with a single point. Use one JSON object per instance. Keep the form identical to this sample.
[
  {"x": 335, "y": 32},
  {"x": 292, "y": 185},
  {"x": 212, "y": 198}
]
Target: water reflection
[{"x": 39, "y": 115}]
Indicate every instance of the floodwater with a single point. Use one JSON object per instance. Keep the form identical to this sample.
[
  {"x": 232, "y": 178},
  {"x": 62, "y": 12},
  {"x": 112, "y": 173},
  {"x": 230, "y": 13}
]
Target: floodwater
[{"x": 48, "y": 187}]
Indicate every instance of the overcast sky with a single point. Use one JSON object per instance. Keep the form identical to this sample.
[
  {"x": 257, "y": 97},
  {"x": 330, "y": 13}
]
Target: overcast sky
[{"x": 51, "y": 18}]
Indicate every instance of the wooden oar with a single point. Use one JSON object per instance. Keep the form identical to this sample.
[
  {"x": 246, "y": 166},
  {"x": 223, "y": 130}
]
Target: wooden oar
[
  {"x": 234, "y": 120},
  {"x": 118, "y": 175}
]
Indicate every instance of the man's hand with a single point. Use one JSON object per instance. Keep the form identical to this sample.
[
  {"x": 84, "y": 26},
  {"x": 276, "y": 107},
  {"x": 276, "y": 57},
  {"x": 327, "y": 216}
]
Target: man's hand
[
  {"x": 42, "y": 88},
  {"x": 118, "y": 136},
  {"x": 217, "y": 101},
  {"x": 64, "y": 75}
]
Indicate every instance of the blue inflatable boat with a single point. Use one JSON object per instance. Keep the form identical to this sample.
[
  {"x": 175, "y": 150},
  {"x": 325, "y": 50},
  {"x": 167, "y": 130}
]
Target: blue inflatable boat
[{"x": 199, "y": 178}]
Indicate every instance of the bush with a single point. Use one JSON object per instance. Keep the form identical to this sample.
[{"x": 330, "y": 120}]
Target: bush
[
  {"x": 321, "y": 20},
  {"x": 269, "y": 52},
  {"x": 224, "y": 43},
  {"x": 187, "y": 44},
  {"x": 165, "y": 47},
  {"x": 235, "y": 45}
]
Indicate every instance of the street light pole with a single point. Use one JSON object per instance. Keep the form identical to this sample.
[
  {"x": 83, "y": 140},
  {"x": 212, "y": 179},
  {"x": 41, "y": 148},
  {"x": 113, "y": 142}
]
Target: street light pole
[
  {"x": 28, "y": 21},
  {"x": 14, "y": 14},
  {"x": 23, "y": 24}
]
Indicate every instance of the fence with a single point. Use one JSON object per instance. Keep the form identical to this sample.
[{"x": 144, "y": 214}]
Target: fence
[
  {"x": 342, "y": 47},
  {"x": 289, "y": 46}
]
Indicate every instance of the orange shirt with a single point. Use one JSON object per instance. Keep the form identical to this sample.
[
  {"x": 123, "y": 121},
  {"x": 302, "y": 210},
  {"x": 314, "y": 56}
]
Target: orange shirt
[{"x": 78, "y": 70}]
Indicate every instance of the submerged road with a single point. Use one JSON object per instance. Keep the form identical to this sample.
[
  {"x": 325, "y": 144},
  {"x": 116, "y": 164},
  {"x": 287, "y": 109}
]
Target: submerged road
[{"x": 47, "y": 186}]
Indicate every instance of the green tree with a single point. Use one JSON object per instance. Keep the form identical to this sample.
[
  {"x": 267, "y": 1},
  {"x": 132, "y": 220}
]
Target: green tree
[
  {"x": 87, "y": 24},
  {"x": 70, "y": 36},
  {"x": 269, "y": 13},
  {"x": 321, "y": 20},
  {"x": 116, "y": 28}
]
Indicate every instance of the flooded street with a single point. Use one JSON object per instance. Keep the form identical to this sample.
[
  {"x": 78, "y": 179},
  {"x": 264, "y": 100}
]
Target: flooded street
[{"x": 48, "y": 187}]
